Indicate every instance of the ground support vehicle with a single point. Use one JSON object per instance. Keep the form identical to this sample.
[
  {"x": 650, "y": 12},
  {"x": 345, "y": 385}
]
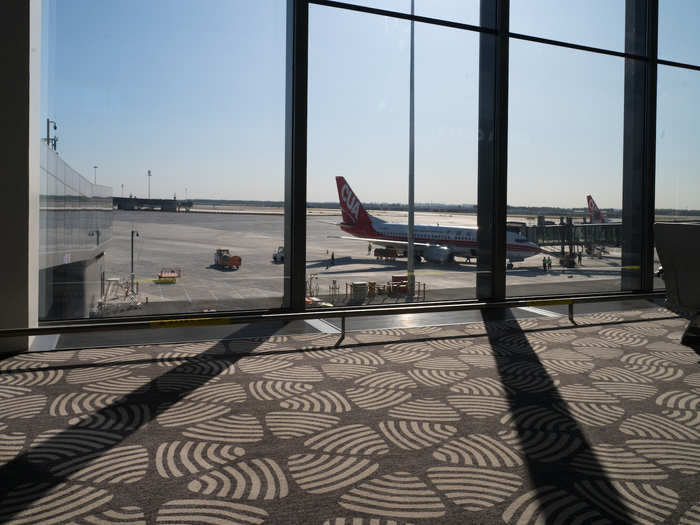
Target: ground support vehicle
[
  {"x": 168, "y": 276},
  {"x": 223, "y": 259},
  {"x": 385, "y": 254}
]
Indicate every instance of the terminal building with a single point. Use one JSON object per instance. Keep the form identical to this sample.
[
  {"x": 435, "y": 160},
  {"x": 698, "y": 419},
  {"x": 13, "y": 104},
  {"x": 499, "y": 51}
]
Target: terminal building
[{"x": 75, "y": 228}]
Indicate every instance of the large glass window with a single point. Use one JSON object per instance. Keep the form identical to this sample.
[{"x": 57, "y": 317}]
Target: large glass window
[
  {"x": 564, "y": 170},
  {"x": 357, "y": 144},
  {"x": 358, "y": 159},
  {"x": 165, "y": 192},
  {"x": 178, "y": 107},
  {"x": 446, "y": 134}
]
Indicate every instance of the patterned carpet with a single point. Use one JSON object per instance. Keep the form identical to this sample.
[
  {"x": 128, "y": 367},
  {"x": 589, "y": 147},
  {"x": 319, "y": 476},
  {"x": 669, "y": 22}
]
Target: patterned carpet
[{"x": 527, "y": 422}]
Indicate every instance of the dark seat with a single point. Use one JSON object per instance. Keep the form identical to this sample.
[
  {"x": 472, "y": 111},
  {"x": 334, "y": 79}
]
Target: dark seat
[{"x": 678, "y": 245}]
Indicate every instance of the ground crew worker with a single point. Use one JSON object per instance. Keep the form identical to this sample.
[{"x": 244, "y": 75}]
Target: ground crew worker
[{"x": 544, "y": 263}]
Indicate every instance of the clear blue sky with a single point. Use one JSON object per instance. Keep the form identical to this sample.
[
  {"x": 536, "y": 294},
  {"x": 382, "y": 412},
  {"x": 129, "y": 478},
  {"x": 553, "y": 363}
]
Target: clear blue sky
[{"x": 194, "y": 91}]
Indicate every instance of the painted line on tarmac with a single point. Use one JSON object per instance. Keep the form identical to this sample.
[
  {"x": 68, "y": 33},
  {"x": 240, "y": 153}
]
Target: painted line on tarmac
[
  {"x": 234, "y": 292},
  {"x": 539, "y": 311},
  {"x": 322, "y": 326}
]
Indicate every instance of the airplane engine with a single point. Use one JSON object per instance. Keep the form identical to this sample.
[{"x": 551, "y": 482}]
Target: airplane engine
[{"x": 436, "y": 254}]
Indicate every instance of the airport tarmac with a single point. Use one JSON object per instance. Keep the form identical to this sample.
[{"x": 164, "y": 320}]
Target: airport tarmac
[{"x": 187, "y": 241}]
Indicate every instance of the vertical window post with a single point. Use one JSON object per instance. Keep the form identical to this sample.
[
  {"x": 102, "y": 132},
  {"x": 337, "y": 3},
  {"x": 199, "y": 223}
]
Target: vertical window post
[
  {"x": 639, "y": 155},
  {"x": 295, "y": 154},
  {"x": 20, "y": 143},
  {"x": 493, "y": 151}
]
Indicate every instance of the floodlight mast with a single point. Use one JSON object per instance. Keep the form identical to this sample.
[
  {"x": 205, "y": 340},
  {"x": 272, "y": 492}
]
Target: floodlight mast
[
  {"x": 411, "y": 171},
  {"x": 131, "y": 275},
  {"x": 49, "y": 140}
]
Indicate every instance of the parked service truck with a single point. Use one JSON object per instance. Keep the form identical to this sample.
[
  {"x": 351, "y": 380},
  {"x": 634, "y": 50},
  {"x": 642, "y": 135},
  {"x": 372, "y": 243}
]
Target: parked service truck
[{"x": 224, "y": 259}]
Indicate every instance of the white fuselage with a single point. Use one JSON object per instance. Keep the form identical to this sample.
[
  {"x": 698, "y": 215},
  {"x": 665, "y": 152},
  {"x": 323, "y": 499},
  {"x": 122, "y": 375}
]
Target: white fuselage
[{"x": 459, "y": 240}]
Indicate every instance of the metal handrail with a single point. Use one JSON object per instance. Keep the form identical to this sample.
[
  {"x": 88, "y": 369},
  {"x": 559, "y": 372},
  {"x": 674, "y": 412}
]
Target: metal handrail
[{"x": 225, "y": 318}]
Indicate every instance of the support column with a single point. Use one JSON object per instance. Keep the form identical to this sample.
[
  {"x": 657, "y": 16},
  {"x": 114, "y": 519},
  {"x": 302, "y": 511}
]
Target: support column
[
  {"x": 493, "y": 151},
  {"x": 20, "y": 55},
  {"x": 295, "y": 154},
  {"x": 639, "y": 155}
]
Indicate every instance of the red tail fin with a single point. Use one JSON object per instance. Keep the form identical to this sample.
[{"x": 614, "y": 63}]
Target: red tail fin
[
  {"x": 594, "y": 212},
  {"x": 353, "y": 211}
]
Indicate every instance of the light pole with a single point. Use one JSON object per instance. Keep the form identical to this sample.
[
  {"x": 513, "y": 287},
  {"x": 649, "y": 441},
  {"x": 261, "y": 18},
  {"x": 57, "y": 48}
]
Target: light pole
[
  {"x": 149, "y": 184},
  {"x": 95, "y": 168},
  {"x": 133, "y": 232},
  {"x": 122, "y": 191},
  {"x": 411, "y": 171},
  {"x": 48, "y": 133}
]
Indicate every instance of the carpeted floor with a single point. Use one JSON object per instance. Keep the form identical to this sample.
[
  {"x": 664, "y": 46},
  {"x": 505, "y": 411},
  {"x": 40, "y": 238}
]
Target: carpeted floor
[{"x": 535, "y": 421}]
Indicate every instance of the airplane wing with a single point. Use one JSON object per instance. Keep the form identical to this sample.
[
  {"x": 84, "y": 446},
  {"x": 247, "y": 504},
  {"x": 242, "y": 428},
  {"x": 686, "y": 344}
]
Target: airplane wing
[{"x": 382, "y": 242}]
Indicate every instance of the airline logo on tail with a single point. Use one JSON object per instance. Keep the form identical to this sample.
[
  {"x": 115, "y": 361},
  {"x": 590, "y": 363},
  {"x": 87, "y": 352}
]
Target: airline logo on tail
[
  {"x": 595, "y": 214},
  {"x": 354, "y": 213},
  {"x": 352, "y": 204}
]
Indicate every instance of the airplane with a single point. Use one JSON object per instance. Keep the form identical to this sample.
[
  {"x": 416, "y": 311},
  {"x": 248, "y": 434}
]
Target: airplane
[
  {"x": 598, "y": 220},
  {"x": 437, "y": 244},
  {"x": 595, "y": 214}
]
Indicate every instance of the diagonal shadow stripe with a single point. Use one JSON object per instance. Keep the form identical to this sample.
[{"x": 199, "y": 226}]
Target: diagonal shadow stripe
[
  {"x": 21, "y": 471},
  {"x": 559, "y": 473}
]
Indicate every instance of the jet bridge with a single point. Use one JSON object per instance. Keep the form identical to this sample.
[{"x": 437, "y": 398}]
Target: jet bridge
[{"x": 588, "y": 236}]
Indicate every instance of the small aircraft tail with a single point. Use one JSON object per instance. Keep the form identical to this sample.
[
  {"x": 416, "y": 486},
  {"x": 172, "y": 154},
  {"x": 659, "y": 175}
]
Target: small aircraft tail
[
  {"x": 354, "y": 213},
  {"x": 594, "y": 212}
]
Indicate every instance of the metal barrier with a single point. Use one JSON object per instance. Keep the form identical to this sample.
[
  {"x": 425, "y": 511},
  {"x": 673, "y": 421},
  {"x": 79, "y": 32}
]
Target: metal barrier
[{"x": 224, "y": 318}]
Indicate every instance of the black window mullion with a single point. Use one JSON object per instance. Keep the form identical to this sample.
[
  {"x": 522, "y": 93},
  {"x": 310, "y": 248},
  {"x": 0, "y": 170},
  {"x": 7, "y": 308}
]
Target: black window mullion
[
  {"x": 639, "y": 153},
  {"x": 295, "y": 154},
  {"x": 493, "y": 151}
]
